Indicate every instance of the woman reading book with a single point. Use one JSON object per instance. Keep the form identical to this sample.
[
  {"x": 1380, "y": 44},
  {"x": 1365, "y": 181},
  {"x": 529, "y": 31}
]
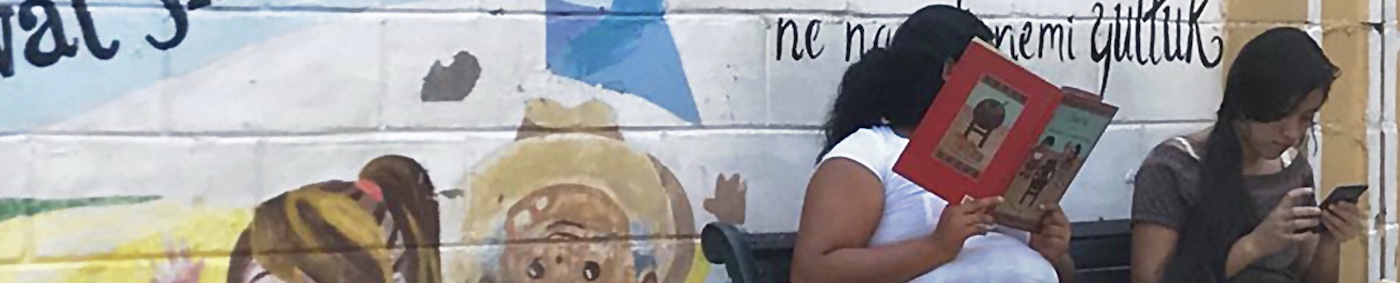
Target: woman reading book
[
  {"x": 1231, "y": 203},
  {"x": 862, "y": 222}
]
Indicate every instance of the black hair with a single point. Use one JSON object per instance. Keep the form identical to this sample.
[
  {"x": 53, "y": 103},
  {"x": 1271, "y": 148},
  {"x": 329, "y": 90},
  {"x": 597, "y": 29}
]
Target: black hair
[
  {"x": 1049, "y": 140},
  {"x": 1273, "y": 73},
  {"x": 895, "y": 86}
]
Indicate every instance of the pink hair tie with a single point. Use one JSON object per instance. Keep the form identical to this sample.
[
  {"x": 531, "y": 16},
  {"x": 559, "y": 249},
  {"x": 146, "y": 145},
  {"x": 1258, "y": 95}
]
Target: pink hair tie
[{"x": 371, "y": 189}]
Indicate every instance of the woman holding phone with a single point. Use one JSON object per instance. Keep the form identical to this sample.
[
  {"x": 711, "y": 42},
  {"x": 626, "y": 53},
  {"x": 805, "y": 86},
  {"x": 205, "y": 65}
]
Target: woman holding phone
[
  {"x": 1234, "y": 202},
  {"x": 862, "y": 222}
]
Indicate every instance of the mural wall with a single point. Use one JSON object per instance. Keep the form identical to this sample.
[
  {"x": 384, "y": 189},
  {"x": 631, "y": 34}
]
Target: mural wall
[{"x": 540, "y": 140}]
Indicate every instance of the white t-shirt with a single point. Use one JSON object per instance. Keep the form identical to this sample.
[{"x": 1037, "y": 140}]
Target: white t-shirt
[{"x": 911, "y": 212}]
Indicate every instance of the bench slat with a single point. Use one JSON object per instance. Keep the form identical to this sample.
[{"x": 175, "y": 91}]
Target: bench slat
[{"x": 1101, "y": 250}]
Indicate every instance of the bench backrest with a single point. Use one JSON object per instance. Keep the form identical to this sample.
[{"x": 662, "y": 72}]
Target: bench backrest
[{"x": 1100, "y": 250}]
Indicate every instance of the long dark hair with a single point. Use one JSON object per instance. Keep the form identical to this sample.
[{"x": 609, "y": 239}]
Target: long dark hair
[
  {"x": 896, "y": 85},
  {"x": 1272, "y": 75}
]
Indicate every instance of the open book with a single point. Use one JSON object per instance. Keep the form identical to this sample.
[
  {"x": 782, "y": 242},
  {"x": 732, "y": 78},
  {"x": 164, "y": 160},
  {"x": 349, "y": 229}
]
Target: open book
[{"x": 996, "y": 129}]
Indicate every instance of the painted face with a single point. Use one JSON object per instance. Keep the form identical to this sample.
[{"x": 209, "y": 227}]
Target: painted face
[
  {"x": 553, "y": 237},
  {"x": 1270, "y": 139}
]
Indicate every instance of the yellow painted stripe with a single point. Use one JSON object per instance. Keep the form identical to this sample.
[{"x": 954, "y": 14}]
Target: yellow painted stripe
[
  {"x": 128, "y": 250},
  {"x": 1345, "y": 148}
]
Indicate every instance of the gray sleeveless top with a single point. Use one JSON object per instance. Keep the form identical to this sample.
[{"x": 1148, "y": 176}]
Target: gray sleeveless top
[{"x": 1166, "y": 188}]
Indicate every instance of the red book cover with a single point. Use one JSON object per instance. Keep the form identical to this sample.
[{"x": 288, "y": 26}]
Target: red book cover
[
  {"x": 993, "y": 130},
  {"x": 979, "y": 128}
]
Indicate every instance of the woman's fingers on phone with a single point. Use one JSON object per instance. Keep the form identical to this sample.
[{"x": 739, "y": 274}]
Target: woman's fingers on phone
[
  {"x": 1301, "y": 223},
  {"x": 1305, "y": 212},
  {"x": 1334, "y": 228},
  {"x": 1300, "y": 237},
  {"x": 1348, "y": 211},
  {"x": 1291, "y": 199}
]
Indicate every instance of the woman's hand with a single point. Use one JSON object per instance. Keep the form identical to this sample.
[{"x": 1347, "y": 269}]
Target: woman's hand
[
  {"x": 959, "y": 222},
  {"x": 1279, "y": 229},
  {"x": 1053, "y": 239},
  {"x": 1344, "y": 221}
]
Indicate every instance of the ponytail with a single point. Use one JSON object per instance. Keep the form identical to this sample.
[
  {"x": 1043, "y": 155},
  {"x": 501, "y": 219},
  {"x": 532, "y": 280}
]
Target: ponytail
[
  {"x": 857, "y": 99},
  {"x": 415, "y": 215},
  {"x": 1219, "y": 219}
]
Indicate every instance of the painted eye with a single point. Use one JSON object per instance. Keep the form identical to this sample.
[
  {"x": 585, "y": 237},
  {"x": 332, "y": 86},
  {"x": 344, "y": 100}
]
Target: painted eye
[
  {"x": 536, "y": 270},
  {"x": 590, "y": 271}
]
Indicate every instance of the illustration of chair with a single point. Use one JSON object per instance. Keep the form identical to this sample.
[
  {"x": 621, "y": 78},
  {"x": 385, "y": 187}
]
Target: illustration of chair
[{"x": 986, "y": 117}]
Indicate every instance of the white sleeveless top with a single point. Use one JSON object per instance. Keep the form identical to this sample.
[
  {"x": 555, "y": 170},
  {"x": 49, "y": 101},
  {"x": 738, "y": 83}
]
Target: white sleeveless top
[{"x": 911, "y": 212}]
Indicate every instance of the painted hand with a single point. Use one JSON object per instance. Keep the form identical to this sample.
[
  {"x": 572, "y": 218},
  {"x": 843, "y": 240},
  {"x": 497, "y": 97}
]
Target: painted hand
[
  {"x": 1344, "y": 221},
  {"x": 1052, "y": 242},
  {"x": 178, "y": 267},
  {"x": 730, "y": 199}
]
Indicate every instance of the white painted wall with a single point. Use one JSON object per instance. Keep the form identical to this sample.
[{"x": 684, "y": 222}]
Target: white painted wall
[{"x": 311, "y": 89}]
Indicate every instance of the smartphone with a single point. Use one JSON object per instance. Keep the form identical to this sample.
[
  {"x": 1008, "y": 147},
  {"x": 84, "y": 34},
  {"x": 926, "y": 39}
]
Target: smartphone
[{"x": 1347, "y": 193}]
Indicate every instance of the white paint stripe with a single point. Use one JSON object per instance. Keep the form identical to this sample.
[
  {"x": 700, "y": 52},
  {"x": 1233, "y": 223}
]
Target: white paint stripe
[
  {"x": 1386, "y": 255},
  {"x": 1377, "y": 10},
  {"x": 1315, "y": 154},
  {"x": 1378, "y": 152},
  {"x": 1315, "y": 30},
  {"x": 1389, "y": 10},
  {"x": 1314, "y": 11},
  {"x": 1388, "y": 92},
  {"x": 1376, "y": 159}
]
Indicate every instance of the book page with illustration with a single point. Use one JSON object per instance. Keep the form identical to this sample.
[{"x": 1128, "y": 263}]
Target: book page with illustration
[{"x": 1055, "y": 159}]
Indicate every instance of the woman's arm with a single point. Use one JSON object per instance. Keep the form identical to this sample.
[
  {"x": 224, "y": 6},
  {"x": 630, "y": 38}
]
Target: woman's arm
[
  {"x": 1344, "y": 221},
  {"x": 1243, "y": 253},
  {"x": 1307, "y": 251},
  {"x": 1064, "y": 268},
  {"x": 1153, "y": 246},
  {"x": 1052, "y": 241},
  {"x": 844, "y": 203},
  {"x": 1324, "y": 263}
]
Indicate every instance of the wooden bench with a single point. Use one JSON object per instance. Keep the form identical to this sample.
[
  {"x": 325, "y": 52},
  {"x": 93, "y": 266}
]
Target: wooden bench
[{"x": 1100, "y": 250}]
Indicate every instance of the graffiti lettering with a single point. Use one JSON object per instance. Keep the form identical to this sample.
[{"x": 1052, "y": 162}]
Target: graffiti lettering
[
  {"x": 1123, "y": 40},
  {"x": 857, "y": 32},
  {"x": 182, "y": 26},
  {"x": 53, "y": 30},
  {"x": 814, "y": 30},
  {"x": 1057, "y": 34},
  {"x": 94, "y": 44},
  {"x": 53, "y": 26},
  {"x": 7, "y": 54},
  {"x": 1121, "y": 33}
]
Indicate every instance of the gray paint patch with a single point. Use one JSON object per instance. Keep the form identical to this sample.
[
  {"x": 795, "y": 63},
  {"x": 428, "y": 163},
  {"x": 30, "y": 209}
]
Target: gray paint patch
[{"x": 453, "y": 82}]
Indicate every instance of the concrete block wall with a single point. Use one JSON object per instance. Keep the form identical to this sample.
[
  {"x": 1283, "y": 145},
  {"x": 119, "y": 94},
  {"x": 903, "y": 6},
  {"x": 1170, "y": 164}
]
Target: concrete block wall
[{"x": 702, "y": 110}]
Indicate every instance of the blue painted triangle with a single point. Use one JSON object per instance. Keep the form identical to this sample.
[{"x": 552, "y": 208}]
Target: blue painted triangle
[{"x": 633, "y": 54}]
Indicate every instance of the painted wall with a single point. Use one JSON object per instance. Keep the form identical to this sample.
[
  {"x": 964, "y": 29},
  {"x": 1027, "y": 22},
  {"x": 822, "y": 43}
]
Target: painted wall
[{"x": 139, "y": 139}]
